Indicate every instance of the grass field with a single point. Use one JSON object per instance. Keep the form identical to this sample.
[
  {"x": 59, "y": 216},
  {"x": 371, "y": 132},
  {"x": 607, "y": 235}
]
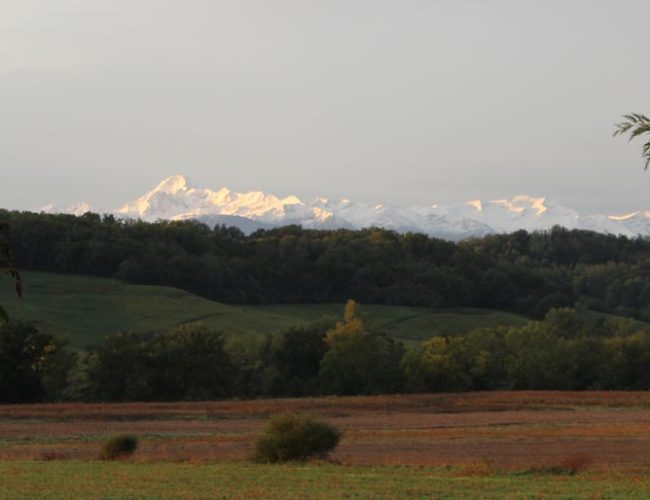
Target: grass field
[
  {"x": 88, "y": 480},
  {"x": 86, "y": 309},
  {"x": 494, "y": 445}
]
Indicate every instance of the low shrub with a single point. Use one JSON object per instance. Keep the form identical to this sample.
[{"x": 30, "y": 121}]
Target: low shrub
[
  {"x": 289, "y": 437},
  {"x": 119, "y": 446}
]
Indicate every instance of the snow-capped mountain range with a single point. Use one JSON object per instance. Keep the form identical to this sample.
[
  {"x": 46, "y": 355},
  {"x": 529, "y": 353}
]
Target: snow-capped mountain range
[{"x": 175, "y": 199}]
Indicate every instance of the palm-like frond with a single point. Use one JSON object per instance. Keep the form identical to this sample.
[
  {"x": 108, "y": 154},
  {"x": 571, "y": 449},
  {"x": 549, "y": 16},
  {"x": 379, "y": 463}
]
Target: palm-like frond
[{"x": 636, "y": 124}]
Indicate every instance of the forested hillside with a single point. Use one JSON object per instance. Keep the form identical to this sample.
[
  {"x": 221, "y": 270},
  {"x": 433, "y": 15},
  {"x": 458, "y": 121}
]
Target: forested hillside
[{"x": 526, "y": 273}]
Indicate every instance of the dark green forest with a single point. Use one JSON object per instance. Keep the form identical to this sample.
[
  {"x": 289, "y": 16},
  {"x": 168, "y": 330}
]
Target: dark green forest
[{"x": 527, "y": 273}]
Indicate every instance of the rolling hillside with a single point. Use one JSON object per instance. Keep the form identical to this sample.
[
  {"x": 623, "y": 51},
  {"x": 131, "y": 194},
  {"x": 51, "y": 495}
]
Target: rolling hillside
[{"x": 85, "y": 309}]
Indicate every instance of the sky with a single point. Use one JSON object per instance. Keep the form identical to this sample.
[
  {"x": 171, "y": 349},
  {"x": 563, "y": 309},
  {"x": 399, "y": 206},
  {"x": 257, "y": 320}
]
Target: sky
[{"x": 408, "y": 102}]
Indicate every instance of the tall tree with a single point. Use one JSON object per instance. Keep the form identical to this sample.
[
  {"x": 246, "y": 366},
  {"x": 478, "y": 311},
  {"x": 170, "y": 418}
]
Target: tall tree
[
  {"x": 33, "y": 365},
  {"x": 7, "y": 267},
  {"x": 635, "y": 125},
  {"x": 359, "y": 360}
]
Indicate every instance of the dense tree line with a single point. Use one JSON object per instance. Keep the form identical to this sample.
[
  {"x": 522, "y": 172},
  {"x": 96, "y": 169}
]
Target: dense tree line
[
  {"x": 349, "y": 357},
  {"x": 523, "y": 272}
]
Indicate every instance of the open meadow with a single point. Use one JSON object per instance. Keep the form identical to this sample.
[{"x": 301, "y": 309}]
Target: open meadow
[
  {"x": 85, "y": 309},
  {"x": 587, "y": 444}
]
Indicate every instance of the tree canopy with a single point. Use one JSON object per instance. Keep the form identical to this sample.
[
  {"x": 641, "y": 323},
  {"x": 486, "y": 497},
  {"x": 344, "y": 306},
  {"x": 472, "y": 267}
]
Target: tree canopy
[
  {"x": 521, "y": 272},
  {"x": 561, "y": 352}
]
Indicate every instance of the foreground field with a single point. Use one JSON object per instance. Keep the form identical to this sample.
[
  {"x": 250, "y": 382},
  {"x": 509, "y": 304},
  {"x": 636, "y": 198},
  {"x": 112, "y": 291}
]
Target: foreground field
[
  {"x": 510, "y": 429},
  {"x": 241, "y": 480},
  {"x": 86, "y": 309},
  {"x": 478, "y": 444}
]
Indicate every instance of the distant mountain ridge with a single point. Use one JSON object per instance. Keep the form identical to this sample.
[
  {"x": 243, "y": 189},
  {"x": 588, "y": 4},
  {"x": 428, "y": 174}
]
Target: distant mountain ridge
[{"x": 175, "y": 199}]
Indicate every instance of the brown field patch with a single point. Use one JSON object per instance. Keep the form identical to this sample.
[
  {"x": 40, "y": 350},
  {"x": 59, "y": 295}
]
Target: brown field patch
[{"x": 504, "y": 429}]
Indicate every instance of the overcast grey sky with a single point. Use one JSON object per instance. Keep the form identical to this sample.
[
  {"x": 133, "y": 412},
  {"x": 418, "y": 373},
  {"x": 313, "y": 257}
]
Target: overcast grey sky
[{"x": 399, "y": 101}]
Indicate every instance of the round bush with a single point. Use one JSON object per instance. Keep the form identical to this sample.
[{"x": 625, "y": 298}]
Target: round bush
[
  {"x": 119, "y": 446},
  {"x": 295, "y": 437}
]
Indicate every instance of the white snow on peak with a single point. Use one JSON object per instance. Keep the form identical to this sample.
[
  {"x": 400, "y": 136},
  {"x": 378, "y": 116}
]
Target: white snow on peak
[
  {"x": 76, "y": 209},
  {"x": 521, "y": 203},
  {"x": 478, "y": 206},
  {"x": 291, "y": 200},
  {"x": 624, "y": 216},
  {"x": 176, "y": 199},
  {"x": 172, "y": 185}
]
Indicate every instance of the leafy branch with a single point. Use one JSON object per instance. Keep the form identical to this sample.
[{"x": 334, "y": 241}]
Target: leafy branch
[
  {"x": 634, "y": 125},
  {"x": 7, "y": 267}
]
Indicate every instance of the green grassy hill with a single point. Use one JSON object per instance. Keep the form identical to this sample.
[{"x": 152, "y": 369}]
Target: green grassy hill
[{"x": 86, "y": 309}]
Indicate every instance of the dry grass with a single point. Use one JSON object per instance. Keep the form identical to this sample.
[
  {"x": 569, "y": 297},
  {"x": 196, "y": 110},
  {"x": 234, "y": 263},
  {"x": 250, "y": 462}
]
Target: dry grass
[
  {"x": 330, "y": 406},
  {"x": 49, "y": 456},
  {"x": 569, "y": 466},
  {"x": 481, "y": 468},
  {"x": 577, "y": 463},
  {"x": 512, "y": 430}
]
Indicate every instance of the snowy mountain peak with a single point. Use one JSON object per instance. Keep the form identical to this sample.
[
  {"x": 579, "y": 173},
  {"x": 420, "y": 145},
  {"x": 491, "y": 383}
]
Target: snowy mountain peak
[
  {"x": 476, "y": 204},
  {"x": 521, "y": 203},
  {"x": 291, "y": 200},
  {"x": 537, "y": 204},
  {"x": 172, "y": 185},
  {"x": 175, "y": 199},
  {"x": 638, "y": 215},
  {"x": 623, "y": 216},
  {"x": 76, "y": 209}
]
